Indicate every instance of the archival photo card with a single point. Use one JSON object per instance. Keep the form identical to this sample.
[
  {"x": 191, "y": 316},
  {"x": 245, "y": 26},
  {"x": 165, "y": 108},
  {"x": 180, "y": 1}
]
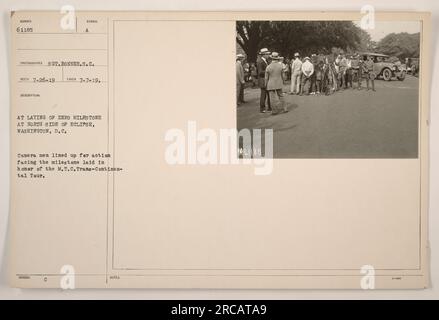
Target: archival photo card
[{"x": 231, "y": 150}]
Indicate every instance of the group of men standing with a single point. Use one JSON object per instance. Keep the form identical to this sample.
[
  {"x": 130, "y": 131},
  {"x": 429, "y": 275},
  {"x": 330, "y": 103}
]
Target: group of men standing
[
  {"x": 312, "y": 75},
  {"x": 270, "y": 79},
  {"x": 324, "y": 74},
  {"x": 270, "y": 73}
]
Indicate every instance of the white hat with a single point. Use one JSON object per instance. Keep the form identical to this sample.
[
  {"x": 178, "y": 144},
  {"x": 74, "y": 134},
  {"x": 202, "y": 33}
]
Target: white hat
[
  {"x": 297, "y": 54},
  {"x": 264, "y": 51},
  {"x": 240, "y": 56},
  {"x": 307, "y": 58}
]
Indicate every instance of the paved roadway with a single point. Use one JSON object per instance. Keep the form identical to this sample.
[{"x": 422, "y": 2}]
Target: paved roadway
[{"x": 346, "y": 124}]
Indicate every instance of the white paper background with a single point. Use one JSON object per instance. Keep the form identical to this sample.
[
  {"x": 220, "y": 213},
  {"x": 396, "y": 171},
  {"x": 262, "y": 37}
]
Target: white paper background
[{"x": 192, "y": 5}]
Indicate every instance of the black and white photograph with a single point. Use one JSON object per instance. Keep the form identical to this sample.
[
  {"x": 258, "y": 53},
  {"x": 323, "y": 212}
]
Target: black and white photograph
[{"x": 330, "y": 89}]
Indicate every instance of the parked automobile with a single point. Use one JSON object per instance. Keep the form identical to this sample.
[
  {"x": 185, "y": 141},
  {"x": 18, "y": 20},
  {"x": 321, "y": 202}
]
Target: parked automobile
[{"x": 386, "y": 67}]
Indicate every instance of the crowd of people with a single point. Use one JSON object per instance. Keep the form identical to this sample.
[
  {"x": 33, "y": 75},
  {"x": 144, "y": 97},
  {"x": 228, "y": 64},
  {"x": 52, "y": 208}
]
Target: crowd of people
[{"x": 314, "y": 75}]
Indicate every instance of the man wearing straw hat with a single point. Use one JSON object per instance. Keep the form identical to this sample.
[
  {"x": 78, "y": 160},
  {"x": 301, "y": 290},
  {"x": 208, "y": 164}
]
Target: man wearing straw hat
[
  {"x": 261, "y": 66},
  {"x": 274, "y": 84},
  {"x": 296, "y": 74}
]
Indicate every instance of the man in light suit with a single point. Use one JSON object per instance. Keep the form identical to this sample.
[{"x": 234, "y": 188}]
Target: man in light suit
[
  {"x": 261, "y": 65},
  {"x": 239, "y": 79},
  {"x": 296, "y": 74},
  {"x": 274, "y": 84}
]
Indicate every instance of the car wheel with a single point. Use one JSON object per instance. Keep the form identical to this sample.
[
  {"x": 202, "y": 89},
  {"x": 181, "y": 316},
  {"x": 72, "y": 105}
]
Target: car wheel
[
  {"x": 387, "y": 74},
  {"x": 402, "y": 76}
]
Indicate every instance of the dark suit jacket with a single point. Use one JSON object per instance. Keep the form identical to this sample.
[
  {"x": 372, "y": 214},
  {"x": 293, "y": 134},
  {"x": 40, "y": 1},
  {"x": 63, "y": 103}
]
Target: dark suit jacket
[{"x": 261, "y": 65}]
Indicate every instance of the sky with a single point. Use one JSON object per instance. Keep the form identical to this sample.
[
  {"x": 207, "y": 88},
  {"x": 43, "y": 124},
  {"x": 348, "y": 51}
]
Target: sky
[{"x": 383, "y": 28}]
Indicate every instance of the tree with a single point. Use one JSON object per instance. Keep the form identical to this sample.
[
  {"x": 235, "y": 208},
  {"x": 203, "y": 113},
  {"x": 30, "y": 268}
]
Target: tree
[
  {"x": 307, "y": 37},
  {"x": 250, "y": 34},
  {"x": 402, "y": 45},
  {"x": 366, "y": 43}
]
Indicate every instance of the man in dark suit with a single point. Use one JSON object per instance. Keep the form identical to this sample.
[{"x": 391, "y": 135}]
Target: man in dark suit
[
  {"x": 240, "y": 82},
  {"x": 261, "y": 65},
  {"x": 368, "y": 70},
  {"x": 357, "y": 69}
]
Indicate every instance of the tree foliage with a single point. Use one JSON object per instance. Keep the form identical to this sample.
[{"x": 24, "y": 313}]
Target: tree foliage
[
  {"x": 307, "y": 37},
  {"x": 402, "y": 45},
  {"x": 250, "y": 35}
]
